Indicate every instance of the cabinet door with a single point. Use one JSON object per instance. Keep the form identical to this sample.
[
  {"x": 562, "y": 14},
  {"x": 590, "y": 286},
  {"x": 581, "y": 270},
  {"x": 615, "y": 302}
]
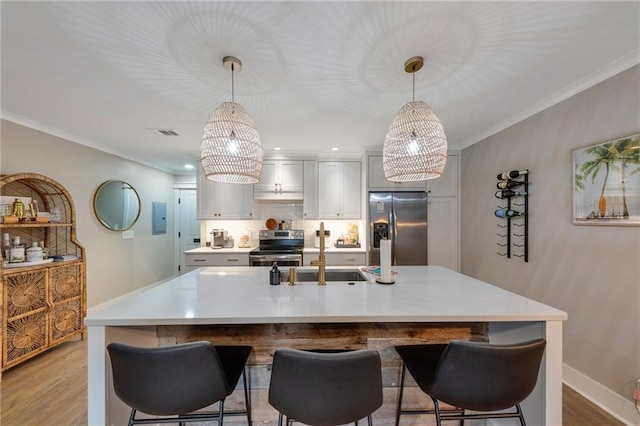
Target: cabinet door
[
  {"x": 447, "y": 184},
  {"x": 351, "y": 191},
  {"x": 310, "y": 201},
  {"x": 376, "y": 179},
  {"x": 291, "y": 176},
  {"x": 339, "y": 190},
  {"x": 25, "y": 324},
  {"x": 442, "y": 217},
  {"x": 329, "y": 190},
  {"x": 270, "y": 177},
  {"x": 280, "y": 176},
  {"x": 346, "y": 259},
  {"x": 65, "y": 292},
  {"x": 218, "y": 200},
  {"x": 233, "y": 201},
  {"x": 206, "y": 190}
]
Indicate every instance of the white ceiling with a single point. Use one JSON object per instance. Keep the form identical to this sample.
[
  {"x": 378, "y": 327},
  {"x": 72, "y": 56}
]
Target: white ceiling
[{"x": 316, "y": 75}]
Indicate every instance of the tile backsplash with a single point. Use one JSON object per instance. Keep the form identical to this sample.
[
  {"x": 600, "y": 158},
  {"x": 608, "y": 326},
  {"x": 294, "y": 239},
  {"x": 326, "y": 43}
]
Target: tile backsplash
[{"x": 290, "y": 212}]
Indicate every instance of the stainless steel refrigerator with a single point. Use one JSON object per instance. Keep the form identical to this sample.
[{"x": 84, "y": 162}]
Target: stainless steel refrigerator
[{"x": 402, "y": 218}]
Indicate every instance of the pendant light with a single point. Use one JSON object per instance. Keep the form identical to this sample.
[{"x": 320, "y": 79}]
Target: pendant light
[
  {"x": 415, "y": 148},
  {"x": 231, "y": 150}
]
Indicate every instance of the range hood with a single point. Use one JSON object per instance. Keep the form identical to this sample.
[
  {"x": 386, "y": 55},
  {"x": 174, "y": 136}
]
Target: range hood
[{"x": 277, "y": 196}]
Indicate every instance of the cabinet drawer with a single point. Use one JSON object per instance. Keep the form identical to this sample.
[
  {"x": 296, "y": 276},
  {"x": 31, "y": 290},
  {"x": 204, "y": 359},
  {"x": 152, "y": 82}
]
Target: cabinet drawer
[
  {"x": 223, "y": 259},
  {"x": 340, "y": 259}
]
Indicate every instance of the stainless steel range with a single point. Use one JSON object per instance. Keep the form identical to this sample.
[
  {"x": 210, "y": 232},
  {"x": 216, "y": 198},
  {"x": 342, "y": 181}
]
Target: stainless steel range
[{"x": 281, "y": 246}]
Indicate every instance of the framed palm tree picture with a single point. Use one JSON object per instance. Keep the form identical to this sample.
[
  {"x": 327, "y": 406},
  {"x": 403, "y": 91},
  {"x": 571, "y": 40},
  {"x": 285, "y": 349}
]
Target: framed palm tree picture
[{"x": 606, "y": 184}]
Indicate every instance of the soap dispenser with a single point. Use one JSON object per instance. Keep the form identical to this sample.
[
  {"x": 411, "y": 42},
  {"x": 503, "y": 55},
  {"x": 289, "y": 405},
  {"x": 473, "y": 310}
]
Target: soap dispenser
[{"x": 274, "y": 275}]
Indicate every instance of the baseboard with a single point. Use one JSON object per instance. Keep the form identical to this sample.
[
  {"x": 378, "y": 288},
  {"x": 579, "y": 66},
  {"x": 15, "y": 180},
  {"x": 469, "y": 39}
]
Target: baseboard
[{"x": 614, "y": 404}]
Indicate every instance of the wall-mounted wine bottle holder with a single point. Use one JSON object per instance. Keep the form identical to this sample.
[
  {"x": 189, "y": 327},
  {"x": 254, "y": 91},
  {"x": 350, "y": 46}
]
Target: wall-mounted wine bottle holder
[{"x": 513, "y": 214}]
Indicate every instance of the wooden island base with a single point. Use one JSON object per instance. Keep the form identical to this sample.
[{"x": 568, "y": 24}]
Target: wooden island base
[{"x": 266, "y": 338}]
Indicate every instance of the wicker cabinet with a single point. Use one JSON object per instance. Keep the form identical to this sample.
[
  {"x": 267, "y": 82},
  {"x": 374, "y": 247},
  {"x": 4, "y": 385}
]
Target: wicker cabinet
[{"x": 42, "y": 304}]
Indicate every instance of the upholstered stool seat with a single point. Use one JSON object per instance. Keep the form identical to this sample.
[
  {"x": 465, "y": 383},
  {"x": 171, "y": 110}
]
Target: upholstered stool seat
[
  {"x": 172, "y": 382},
  {"x": 325, "y": 388},
  {"x": 481, "y": 377}
]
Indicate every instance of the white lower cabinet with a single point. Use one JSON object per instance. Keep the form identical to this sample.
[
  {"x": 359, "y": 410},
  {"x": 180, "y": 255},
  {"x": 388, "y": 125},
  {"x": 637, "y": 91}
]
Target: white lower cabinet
[{"x": 196, "y": 260}]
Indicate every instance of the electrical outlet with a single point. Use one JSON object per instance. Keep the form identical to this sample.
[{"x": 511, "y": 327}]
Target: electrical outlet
[{"x": 127, "y": 235}]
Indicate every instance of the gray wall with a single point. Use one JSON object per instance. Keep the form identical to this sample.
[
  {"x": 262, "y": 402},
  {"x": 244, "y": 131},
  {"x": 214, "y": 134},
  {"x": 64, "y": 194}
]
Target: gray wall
[
  {"x": 114, "y": 266},
  {"x": 591, "y": 272}
]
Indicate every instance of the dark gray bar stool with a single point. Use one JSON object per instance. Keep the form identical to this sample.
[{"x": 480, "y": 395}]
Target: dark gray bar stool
[
  {"x": 325, "y": 389},
  {"x": 174, "y": 381},
  {"x": 473, "y": 376}
]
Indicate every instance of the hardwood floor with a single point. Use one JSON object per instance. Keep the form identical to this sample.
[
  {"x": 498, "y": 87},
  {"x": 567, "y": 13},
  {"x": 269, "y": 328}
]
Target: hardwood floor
[{"x": 51, "y": 389}]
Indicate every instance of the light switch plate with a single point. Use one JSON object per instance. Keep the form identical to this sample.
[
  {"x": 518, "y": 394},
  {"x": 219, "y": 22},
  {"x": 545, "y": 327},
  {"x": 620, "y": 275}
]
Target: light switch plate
[{"x": 127, "y": 235}]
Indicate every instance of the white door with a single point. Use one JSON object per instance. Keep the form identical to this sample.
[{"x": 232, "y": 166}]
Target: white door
[{"x": 188, "y": 231}]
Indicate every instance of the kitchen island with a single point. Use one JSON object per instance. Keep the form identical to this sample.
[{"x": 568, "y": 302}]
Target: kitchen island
[{"x": 229, "y": 304}]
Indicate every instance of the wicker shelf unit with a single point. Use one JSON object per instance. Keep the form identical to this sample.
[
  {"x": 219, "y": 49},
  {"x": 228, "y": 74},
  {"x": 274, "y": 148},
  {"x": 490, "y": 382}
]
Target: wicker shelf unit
[{"x": 42, "y": 305}]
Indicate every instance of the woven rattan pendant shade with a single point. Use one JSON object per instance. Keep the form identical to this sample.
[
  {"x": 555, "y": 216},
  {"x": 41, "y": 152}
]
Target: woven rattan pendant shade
[
  {"x": 231, "y": 150},
  {"x": 415, "y": 148}
]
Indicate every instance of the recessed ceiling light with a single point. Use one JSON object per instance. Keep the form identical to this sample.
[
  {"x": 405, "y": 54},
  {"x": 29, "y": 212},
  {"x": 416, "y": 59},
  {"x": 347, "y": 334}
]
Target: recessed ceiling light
[
  {"x": 334, "y": 149},
  {"x": 277, "y": 148},
  {"x": 188, "y": 166}
]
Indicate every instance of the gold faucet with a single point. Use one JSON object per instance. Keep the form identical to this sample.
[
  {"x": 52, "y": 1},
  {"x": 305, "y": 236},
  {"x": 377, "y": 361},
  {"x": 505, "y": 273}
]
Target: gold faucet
[{"x": 321, "y": 261}]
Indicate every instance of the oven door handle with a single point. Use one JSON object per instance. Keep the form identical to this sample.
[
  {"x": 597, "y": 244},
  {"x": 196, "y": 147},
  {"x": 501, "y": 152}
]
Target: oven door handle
[{"x": 268, "y": 259}]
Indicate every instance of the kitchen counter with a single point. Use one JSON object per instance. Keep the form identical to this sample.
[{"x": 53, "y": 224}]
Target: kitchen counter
[
  {"x": 332, "y": 249},
  {"x": 242, "y": 295},
  {"x": 209, "y": 250}
]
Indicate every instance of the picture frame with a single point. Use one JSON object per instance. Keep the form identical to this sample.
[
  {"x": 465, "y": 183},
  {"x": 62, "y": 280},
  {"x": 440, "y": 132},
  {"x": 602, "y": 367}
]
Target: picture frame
[{"x": 606, "y": 183}]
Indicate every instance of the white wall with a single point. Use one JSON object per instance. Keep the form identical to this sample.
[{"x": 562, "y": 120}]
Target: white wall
[
  {"x": 114, "y": 266},
  {"x": 591, "y": 272}
]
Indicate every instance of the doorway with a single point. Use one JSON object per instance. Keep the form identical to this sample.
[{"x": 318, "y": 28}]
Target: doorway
[{"x": 187, "y": 225}]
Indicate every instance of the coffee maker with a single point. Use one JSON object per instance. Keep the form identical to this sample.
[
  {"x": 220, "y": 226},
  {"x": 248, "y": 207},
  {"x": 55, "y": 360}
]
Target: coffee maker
[{"x": 218, "y": 238}]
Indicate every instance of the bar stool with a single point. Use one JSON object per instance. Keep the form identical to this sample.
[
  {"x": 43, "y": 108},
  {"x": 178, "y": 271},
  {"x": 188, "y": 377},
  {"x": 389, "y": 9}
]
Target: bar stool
[
  {"x": 325, "y": 389},
  {"x": 472, "y": 376},
  {"x": 175, "y": 381}
]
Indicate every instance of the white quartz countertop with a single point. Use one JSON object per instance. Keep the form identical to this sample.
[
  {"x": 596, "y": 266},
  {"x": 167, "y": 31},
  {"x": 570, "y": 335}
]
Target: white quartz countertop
[
  {"x": 242, "y": 295},
  {"x": 209, "y": 250},
  {"x": 332, "y": 249}
]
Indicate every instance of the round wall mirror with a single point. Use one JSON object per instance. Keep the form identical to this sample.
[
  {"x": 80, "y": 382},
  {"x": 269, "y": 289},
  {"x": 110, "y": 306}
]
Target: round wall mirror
[{"x": 117, "y": 205}]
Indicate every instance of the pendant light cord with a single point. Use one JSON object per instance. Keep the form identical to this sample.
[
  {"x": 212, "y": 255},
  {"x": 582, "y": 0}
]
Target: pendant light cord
[
  {"x": 232, "y": 84},
  {"x": 414, "y": 85}
]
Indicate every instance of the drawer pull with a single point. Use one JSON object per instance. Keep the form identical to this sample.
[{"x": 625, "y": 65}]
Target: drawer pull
[
  {"x": 199, "y": 260},
  {"x": 232, "y": 259},
  {"x": 350, "y": 260}
]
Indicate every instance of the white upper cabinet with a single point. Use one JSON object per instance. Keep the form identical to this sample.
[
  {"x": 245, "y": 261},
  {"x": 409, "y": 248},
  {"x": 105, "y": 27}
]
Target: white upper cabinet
[
  {"x": 310, "y": 201},
  {"x": 339, "y": 190},
  {"x": 447, "y": 184},
  {"x": 218, "y": 200},
  {"x": 376, "y": 179},
  {"x": 281, "y": 179}
]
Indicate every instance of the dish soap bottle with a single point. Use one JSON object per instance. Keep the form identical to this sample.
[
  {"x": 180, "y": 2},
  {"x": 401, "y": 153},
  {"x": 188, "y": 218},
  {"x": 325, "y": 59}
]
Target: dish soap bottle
[{"x": 274, "y": 275}]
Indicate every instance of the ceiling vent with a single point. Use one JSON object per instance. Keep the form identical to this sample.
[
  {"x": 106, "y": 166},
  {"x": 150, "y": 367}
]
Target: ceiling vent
[{"x": 163, "y": 132}]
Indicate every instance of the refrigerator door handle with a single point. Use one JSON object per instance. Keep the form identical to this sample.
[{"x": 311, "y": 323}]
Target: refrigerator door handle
[{"x": 393, "y": 230}]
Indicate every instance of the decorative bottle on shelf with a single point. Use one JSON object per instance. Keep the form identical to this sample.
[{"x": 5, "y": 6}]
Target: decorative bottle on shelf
[
  {"x": 6, "y": 246},
  {"x": 512, "y": 174},
  {"x": 508, "y": 213},
  {"x": 508, "y": 184},
  {"x": 274, "y": 275},
  {"x": 17, "y": 251},
  {"x": 508, "y": 193}
]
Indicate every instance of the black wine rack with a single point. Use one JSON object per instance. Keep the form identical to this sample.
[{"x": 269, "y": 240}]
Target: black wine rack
[{"x": 513, "y": 231}]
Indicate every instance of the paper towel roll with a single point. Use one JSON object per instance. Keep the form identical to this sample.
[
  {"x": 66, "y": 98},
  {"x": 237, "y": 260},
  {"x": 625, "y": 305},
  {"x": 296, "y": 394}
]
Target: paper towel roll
[{"x": 385, "y": 261}]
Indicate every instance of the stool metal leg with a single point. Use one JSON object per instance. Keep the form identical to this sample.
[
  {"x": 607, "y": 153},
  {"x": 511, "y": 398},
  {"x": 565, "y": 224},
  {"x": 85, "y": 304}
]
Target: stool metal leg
[
  {"x": 400, "y": 393},
  {"x": 247, "y": 399}
]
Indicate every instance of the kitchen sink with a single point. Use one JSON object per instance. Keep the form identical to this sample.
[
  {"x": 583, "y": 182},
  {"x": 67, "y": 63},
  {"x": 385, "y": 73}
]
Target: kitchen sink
[{"x": 311, "y": 275}]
